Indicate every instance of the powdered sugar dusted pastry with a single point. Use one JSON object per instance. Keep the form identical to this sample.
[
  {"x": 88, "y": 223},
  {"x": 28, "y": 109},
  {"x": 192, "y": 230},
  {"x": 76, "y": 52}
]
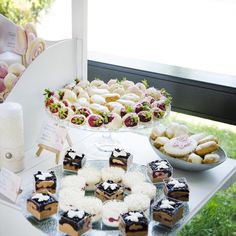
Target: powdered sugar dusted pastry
[
  {"x": 83, "y": 101},
  {"x": 99, "y": 109},
  {"x": 206, "y": 148},
  {"x": 114, "y": 121},
  {"x": 114, "y": 105},
  {"x": 97, "y": 99},
  {"x": 95, "y": 90},
  {"x": 181, "y": 130},
  {"x": 146, "y": 189},
  {"x": 96, "y": 83},
  {"x": 111, "y": 97},
  {"x": 127, "y": 83},
  {"x": 211, "y": 158},
  {"x": 208, "y": 138},
  {"x": 137, "y": 202},
  {"x": 69, "y": 95},
  {"x": 158, "y": 131},
  {"x": 69, "y": 196},
  {"x": 126, "y": 102},
  {"x": 131, "y": 178},
  {"x": 92, "y": 177},
  {"x": 154, "y": 93},
  {"x": 130, "y": 97},
  {"x": 194, "y": 158},
  {"x": 91, "y": 205},
  {"x": 180, "y": 146},
  {"x": 111, "y": 212},
  {"x": 112, "y": 173},
  {"x": 198, "y": 136},
  {"x": 160, "y": 141},
  {"x": 73, "y": 181}
]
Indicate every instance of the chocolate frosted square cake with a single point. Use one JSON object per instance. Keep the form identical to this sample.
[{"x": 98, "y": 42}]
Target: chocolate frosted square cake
[
  {"x": 133, "y": 223},
  {"x": 45, "y": 182},
  {"x": 73, "y": 161},
  {"x": 75, "y": 222},
  {"x": 167, "y": 211},
  {"x": 42, "y": 205},
  {"x": 121, "y": 158},
  {"x": 177, "y": 189},
  {"x": 159, "y": 170},
  {"x": 109, "y": 190}
]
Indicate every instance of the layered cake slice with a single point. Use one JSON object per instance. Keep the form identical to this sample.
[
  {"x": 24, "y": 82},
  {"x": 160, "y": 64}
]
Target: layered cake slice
[
  {"x": 121, "y": 158},
  {"x": 45, "y": 182},
  {"x": 42, "y": 205},
  {"x": 133, "y": 223},
  {"x": 159, "y": 170},
  {"x": 109, "y": 190},
  {"x": 75, "y": 222},
  {"x": 177, "y": 189},
  {"x": 168, "y": 211},
  {"x": 73, "y": 161}
]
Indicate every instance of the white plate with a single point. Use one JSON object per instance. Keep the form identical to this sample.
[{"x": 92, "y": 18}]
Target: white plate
[{"x": 184, "y": 165}]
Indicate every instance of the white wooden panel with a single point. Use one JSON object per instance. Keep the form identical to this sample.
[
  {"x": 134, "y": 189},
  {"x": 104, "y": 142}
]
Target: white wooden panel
[{"x": 55, "y": 67}]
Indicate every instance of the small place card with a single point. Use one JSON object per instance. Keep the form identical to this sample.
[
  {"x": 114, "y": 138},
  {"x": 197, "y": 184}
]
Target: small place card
[
  {"x": 9, "y": 184},
  {"x": 53, "y": 135}
]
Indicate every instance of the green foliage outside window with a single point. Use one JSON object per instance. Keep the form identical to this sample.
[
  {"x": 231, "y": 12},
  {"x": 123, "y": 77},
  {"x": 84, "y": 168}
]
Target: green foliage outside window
[{"x": 24, "y": 11}]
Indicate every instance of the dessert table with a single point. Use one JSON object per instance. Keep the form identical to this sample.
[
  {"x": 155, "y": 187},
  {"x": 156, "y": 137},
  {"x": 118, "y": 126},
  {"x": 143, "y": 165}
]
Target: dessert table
[{"x": 203, "y": 185}]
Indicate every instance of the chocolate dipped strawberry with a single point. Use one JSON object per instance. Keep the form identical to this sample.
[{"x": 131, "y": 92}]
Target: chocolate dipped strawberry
[
  {"x": 83, "y": 111},
  {"x": 144, "y": 106},
  {"x": 63, "y": 113},
  {"x": 108, "y": 117},
  {"x": 157, "y": 113},
  {"x": 145, "y": 116},
  {"x": 95, "y": 120},
  {"x": 78, "y": 119},
  {"x": 54, "y": 108},
  {"x": 130, "y": 120}
]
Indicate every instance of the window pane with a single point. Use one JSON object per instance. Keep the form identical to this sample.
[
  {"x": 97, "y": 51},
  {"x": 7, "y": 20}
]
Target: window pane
[{"x": 187, "y": 33}]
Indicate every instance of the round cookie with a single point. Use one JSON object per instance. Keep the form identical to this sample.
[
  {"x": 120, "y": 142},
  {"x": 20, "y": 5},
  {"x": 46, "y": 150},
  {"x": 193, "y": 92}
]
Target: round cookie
[{"x": 180, "y": 146}]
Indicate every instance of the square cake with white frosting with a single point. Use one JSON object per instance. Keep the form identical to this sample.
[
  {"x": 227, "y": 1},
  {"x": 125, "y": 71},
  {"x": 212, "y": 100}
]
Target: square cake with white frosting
[
  {"x": 109, "y": 190},
  {"x": 167, "y": 211},
  {"x": 133, "y": 223},
  {"x": 121, "y": 158},
  {"x": 45, "y": 182},
  {"x": 73, "y": 161},
  {"x": 75, "y": 222},
  {"x": 42, "y": 205}
]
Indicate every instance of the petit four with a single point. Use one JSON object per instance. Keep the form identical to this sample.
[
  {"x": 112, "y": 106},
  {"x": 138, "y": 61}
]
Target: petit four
[
  {"x": 133, "y": 223},
  {"x": 121, "y": 158},
  {"x": 69, "y": 196},
  {"x": 111, "y": 212},
  {"x": 112, "y": 173},
  {"x": 92, "y": 177},
  {"x": 42, "y": 205},
  {"x": 146, "y": 189},
  {"x": 206, "y": 148},
  {"x": 74, "y": 181},
  {"x": 45, "y": 182},
  {"x": 211, "y": 158},
  {"x": 109, "y": 190},
  {"x": 73, "y": 161},
  {"x": 180, "y": 146},
  {"x": 131, "y": 178},
  {"x": 159, "y": 170},
  {"x": 75, "y": 222},
  {"x": 91, "y": 205},
  {"x": 167, "y": 211},
  {"x": 177, "y": 189},
  {"x": 137, "y": 202}
]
